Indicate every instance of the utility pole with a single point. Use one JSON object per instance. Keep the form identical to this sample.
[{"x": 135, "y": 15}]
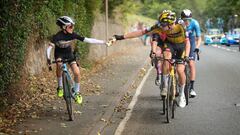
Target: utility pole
[{"x": 106, "y": 24}]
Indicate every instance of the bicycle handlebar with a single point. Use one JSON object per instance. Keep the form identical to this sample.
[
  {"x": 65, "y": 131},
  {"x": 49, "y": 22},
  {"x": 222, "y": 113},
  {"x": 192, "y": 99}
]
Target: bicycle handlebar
[
  {"x": 63, "y": 61},
  {"x": 198, "y": 58}
]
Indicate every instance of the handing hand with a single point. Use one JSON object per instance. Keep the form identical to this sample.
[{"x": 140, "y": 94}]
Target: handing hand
[
  {"x": 111, "y": 41},
  {"x": 119, "y": 37}
]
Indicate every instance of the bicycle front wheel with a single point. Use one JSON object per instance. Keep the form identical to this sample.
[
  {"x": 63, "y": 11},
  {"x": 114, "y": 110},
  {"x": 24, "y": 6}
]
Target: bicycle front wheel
[
  {"x": 187, "y": 86},
  {"x": 169, "y": 98},
  {"x": 67, "y": 96}
]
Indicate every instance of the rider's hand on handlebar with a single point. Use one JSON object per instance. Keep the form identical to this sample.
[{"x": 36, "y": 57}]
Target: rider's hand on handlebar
[
  {"x": 186, "y": 58},
  {"x": 196, "y": 50},
  {"x": 49, "y": 64}
]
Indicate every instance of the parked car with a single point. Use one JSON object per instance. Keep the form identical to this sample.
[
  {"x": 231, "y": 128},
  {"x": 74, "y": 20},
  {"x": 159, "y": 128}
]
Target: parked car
[
  {"x": 233, "y": 37},
  {"x": 214, "y": 36}
]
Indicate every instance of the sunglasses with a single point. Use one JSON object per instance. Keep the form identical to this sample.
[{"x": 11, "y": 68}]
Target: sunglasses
[
  {"x": 187, "y": 19},
  {"x": 70, "y": 27}
]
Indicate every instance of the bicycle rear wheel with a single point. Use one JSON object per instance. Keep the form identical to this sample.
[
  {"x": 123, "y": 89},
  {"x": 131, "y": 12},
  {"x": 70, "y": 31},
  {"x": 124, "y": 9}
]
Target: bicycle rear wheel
[{"x": 67, "y": 96}]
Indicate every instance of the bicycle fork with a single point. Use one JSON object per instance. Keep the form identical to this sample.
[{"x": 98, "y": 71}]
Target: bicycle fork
[{"x": 172, "y": 74}]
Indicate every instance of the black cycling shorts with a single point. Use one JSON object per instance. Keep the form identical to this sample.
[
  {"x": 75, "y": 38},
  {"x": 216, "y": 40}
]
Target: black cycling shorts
[
  {"x": 64, "y": 53},
  {"x": 177, "y": 50}
]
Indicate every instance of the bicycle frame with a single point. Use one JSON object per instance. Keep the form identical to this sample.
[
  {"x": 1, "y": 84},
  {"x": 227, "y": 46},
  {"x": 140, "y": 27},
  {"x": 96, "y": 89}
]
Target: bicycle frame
[
  {"x": 67, "y": 87},
  {"x": 169, "y": 102},
  {"x": 65, "y": 69}
]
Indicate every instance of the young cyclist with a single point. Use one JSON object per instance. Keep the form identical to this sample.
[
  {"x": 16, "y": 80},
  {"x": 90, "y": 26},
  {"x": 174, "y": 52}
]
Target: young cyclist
[
  {"x": 176, "y": 42},
  {"x": 63, "y": 41},
  {"x": 194, "y": 32}
]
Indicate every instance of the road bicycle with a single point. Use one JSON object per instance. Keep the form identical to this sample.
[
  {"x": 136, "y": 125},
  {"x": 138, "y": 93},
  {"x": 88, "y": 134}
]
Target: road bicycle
[
  {"x": 169, "y": 101},
  {"x": 68, "y": 92},
  {"x": 187, "y": 73}
]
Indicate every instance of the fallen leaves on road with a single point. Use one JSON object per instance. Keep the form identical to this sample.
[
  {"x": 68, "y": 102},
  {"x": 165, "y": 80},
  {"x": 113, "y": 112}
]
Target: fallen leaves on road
[
  {"x": 102, "y": 119},
  {"x": 63, "y": 125},
  {"x": 77, "y": 112},
  {"x": 121, "y": 106},
  {"x": 34, "y": 95}
]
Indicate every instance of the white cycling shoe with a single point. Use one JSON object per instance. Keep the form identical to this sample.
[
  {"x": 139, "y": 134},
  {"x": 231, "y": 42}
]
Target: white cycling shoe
[
  {"x": 182, "y": 101},
  {"x": 193, "y": 94}
]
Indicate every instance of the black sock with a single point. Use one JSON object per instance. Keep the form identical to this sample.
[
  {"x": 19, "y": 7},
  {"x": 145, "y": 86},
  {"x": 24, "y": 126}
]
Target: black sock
[{"x": 192, "y": 84}]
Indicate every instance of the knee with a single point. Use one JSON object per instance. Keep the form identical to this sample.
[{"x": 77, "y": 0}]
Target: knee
[
  {"x": 76, "y": 72},
  {"x": 180, "y": 69},
  {"x": 167, "y": 55}
]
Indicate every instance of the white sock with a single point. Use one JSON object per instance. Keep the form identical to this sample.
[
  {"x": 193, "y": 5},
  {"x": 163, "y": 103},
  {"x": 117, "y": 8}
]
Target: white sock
[
  {"x": 60, "y": 83},
  {"x": 181, "y": 92},
  {"x": 76, "y": 87},
  {"x": 165, "y": 79}
]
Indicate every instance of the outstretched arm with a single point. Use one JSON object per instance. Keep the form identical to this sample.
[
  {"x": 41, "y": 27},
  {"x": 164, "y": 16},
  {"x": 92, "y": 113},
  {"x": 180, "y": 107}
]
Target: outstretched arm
[
  {"x": 93, "y": 41},
  {"x": 135, "y": 34}
]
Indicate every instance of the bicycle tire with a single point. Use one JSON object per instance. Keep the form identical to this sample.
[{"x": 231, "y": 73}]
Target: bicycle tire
[
  {"x": 187, "y": 86},
  {"x": 67, "y": 96},
  {"x": 168, "y": 104},
  {"x": 162, "y": 97},
  {"x": 173, "y": 94}
]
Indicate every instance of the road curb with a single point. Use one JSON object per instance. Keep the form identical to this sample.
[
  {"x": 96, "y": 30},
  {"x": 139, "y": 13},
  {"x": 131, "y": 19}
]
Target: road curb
[{"x": 100, "y": 125}]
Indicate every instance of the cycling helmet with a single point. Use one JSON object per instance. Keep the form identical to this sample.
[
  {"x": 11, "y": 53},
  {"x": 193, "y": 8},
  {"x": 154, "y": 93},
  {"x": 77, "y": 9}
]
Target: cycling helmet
[
  {"x": 186, "y": 13},
  {"x": 64, "y": 21},
  {"x": 167, "y": 17}
]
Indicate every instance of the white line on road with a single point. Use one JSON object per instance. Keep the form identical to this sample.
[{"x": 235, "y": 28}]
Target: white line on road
[
  {"x": 123, "y": 123},
  {"x": 224, "y": 48}
]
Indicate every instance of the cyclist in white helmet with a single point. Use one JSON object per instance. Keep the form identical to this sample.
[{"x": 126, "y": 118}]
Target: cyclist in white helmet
[
  {"x": 194, "y": 32},
  {"x": 63, "y": 41}
]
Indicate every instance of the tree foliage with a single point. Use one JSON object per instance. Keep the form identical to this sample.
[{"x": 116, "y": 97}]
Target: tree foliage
[{"x": 21, "y": 18}]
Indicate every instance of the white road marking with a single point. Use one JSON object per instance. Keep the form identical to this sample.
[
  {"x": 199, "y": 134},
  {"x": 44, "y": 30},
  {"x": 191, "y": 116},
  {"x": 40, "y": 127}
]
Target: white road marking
[
  {"x": 123, "y": 123},
  {"x": 224, "y": 48}
]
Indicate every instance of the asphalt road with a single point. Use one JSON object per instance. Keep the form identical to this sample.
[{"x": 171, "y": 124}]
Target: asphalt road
[{"x": 212, "y": 112}]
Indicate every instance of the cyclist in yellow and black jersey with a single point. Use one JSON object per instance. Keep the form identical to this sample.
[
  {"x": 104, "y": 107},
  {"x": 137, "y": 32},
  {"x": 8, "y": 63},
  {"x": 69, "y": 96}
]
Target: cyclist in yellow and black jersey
[{"x": 176, "y": 42}]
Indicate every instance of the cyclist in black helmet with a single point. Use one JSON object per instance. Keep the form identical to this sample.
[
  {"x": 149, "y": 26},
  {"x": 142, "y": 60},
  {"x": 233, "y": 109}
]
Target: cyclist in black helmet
[{"x": 62, "y": 41}]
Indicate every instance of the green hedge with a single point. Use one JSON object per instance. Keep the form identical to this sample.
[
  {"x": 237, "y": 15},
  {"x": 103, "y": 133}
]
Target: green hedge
[{"x": 21, "y": 18}]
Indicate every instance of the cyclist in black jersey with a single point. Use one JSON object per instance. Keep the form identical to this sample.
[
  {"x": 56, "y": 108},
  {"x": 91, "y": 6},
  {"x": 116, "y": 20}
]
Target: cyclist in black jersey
[{"x": 63, "y": 41}]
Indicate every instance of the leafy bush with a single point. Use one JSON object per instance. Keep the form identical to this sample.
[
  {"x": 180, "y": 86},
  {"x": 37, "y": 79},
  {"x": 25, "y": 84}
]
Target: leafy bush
[{"x": 21, "y": 18}]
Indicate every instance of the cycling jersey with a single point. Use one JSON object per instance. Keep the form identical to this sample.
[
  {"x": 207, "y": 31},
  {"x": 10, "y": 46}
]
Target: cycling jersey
[
  {"x": 159, "y": 38},
  {"x": 64, "y": 40},
  {"x": 193, "y": 30},
  {"x": 176, "y": 35}
]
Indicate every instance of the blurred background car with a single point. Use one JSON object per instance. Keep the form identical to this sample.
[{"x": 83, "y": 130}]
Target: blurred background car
[
  {"x": 233, "y": 37},
  {"x": 215, "y": 36}
]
